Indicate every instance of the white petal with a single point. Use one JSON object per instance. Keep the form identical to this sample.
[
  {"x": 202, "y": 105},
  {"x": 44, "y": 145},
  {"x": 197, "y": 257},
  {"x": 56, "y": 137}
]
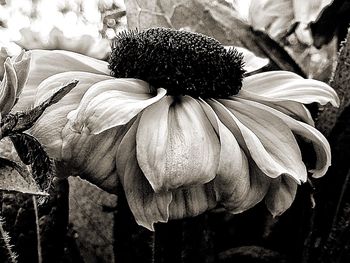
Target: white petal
[
  {"x": 259, "y": 186},
  {"x": 232, "y": 181},
  {"x": 251, "y": 61},
  {"x": 281, "y": 195},
  {"x": 192, "y": 201},
  {"x": 264, "y": 13},
  {"x": 292, "y": 108},
  {"x": 285, "y": 85},
  {"x": 320, "y": 143},
  {"x": 8, "y": 88},
  {"x": 264, "y": 137},
  {"x": 21, "y": 64},
  {"x": 147, "y": 206},
  {"x": 51, "y": 135},
  {"x": 46, "y": 63},
  {"x": 176, "y": 144},
  {"x": 308, "y": 11},
  {"x": 111, "y": 103}
]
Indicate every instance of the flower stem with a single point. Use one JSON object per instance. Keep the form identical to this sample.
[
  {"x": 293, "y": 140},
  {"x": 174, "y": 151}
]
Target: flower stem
[
  {"x": 40, "y": 258},
  {"x": 184, "y": 241},
  {"x": 180, "y": 241}
]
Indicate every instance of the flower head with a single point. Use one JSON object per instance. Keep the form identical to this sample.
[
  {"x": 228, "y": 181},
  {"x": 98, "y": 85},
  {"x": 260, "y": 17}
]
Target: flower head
[
  {"x": 182, "y": 147},
  {"x": 183, "y": 62}
]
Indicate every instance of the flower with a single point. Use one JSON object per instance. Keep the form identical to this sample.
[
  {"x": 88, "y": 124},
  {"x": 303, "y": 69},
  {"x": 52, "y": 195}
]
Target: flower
[
  {"x": 15, "y": 75},
  {"x": 278, "y": 17},
  {"x": 176, "y": 125}
]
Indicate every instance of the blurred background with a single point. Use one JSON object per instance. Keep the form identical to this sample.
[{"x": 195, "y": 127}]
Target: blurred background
[{"x": 80, "y": 26}]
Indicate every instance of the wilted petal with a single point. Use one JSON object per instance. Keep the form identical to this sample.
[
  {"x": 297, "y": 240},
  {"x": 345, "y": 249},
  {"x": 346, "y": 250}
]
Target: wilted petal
[
  {"x": 112, "y": 103},
  {"x": 192, "y": 201},
  {"x": 92, "y": 157},
  {"x": 232, "y": 181},
  {"x": 22, "y": 66},
  {"x": 275, "y": 135},
  {"x": 51, "y": 135},
  {"x": 308, "y": 11},
  {"x": 320, "y": 143},
  {"x": 46, "y": 63},
  {"x": 259, "y": 186},
  {"x": 176, "y": 144},
  {"x": 3, "y": 56},
  {"x": 147, "y": 206},
  {"x": 280, "y": 195},
  {"x": 264, "y": 13},
  {"x": 239, "y": 183},
  {"x": 8, "y": 88},
  {"x": 285, "y": 85},
  {"x": 294, "y": 109},
  {"x": 251, "y": 61},
  {"x": 268, "y": 141}
]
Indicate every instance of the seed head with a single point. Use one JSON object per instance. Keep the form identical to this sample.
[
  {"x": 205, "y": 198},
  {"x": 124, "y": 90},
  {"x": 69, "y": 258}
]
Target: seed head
[{"x": 182, "y": 62}]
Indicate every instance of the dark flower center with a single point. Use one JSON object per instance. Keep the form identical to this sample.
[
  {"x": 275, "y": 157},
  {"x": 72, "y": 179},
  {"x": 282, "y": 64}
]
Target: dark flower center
[{"x": 182, "y": 62}]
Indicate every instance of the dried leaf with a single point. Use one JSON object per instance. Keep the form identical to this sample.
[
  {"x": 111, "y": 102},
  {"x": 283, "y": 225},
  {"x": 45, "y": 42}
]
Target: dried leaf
[
  {"x": 15, "y": 178},
  {"x": 32, "y": 153}
]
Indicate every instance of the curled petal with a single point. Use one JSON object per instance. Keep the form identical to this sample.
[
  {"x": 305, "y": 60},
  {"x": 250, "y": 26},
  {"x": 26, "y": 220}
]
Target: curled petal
[
  {"x": 92, "y": 157},
  {"x": 4, "y": 54},
  {"x": 280, "y": 195},
  {"x": 176, "y": 144},
  {"x": 51, "y": 135},
  {"x": 239, "y": 183},
  {"x": 147, "y": 206},
  {"x": 258, "y": 188},
  {"x": 285, "y": 85},
  {"x": 320, "y": 143},
  {"x": 22, "y": 66},
  {"x": 251, "y": 61},
  {"x": 192, "y": 201},
  {"x": 112, "y": 103},
  {"x": 8, "y": 88},
  {"x": 268, "y": 141},
  {"x": 291, "y": 108},
  {"x": 46, "y": 63},
  {"x": 232, "y": 181}
]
